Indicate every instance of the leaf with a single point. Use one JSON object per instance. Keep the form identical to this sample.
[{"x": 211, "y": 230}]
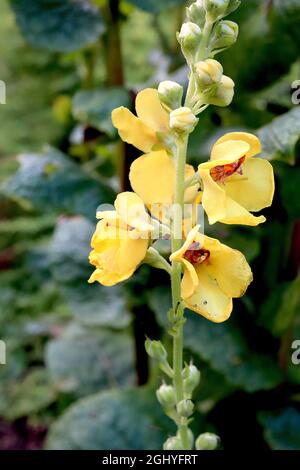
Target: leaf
[
  {"x": 153, "y": 6},
  {"x": 281, "y": 430},
  {"x": 30, "y": 396},
  {"x": 95, "y": 107},
  {"x": 224, "y": 348},
  {"x": 122, "y": 420},
  {"x": 289, "y": 179},
  {"x": 58, "y": 25},
  {"x": 91, "y": 304},
  {"x": 51, "y": 182},
  {"x": 286, "y": 16},
  {"x": 85, "y": 361},
  {"x": 279, "y": 138}
]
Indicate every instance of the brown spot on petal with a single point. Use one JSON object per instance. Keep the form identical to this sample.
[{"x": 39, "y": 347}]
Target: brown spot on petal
[
  {"x": 195, "y": 254},
  {"x": 221, "y": 172}
]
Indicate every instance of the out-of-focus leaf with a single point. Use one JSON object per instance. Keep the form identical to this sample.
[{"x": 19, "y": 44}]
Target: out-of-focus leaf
[
  {"x": 154, "y": 6},
  {"x": 282, "y": 430},
  {"x": 225, "y": 349},
  {"x": 59, "y": 25},
  {"x": 123, "y": 420},
  {"x": 52, "y": 182},
  {"x": 84, "y": 361},
  {"x": 29, "y": 396},
  {"x": 289, "y": 178},
  {"x": 91, "y": 304},
  {"x": 285, "y": 16},
  {"x": 95, "y": 107},
  {"x": 279, "y": 138}
]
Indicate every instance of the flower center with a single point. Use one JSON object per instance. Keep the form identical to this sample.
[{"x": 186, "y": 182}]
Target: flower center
[
  {"x": 195, "y": 254},
  {"x": 221, "y": 172}
]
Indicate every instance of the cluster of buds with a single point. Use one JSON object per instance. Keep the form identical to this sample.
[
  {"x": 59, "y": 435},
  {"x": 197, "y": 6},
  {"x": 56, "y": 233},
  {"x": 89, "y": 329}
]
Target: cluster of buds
[{"x": 213, "y": 87}]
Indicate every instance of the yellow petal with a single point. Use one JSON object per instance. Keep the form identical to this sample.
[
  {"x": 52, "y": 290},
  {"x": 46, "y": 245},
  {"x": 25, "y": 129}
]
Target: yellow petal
[
  {"x": 236, "y": 214},
  {"x": 130, "y": 208},
  {"x": 213, "y": 198},
  {"x": 254, "y": 189},
  {"x": 209, "y": 300},
  {"x": 152, "y": 177},
  {"x": 228, "y": 152},
  {"x": 191, "y": 192},
  {"x": 150, "y": 110},
  {"x": 252, "y": 140},
  {"x": 189, "y": 281},
  {"x": 132, "y": 130},
  {"x": 230, "y": 270}
]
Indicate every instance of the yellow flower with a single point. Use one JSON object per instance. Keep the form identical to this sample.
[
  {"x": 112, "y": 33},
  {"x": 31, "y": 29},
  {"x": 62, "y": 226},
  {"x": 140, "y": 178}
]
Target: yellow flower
[
  {"x": 235, "y": 183},
  {"x": 120, "y": 241},
  {"x": 142, "y": 130},
  {"x": 214, "y": 274}
]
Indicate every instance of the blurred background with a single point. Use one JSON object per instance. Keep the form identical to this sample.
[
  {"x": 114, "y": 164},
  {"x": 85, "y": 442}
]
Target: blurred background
[{"x": 76, "y": 374}]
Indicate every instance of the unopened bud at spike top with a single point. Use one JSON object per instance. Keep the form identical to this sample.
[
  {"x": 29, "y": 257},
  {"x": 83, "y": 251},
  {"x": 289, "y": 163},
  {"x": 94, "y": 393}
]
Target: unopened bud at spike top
[
  {"x": 196, "y": 13},
  {"x": 191, "y": 379},
  {"x": 173, "y": 443},
  {"x": 166, "y": 396},
  {"x": 216, "y": 9},
  {"x": 225, "y": 35},
  {"x": 208, "y": 72},
  {"x": 183, "y": 120},
  {"x": 156, "y": 350},
  {"x": 189, "y": 38},
  {"x": 185, "y": 408},
  {"x": 170, "y": 94},
  {"x": 207, "y": 441}
]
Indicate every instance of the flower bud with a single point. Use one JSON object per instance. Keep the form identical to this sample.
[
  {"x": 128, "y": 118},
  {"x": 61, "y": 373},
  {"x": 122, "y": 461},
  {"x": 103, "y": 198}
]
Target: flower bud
[
  {"x": 182, "y": 120},
  {"x": 189, "y": 38},
  {"x": 173, "y": 443},
  {"x": 191, "y": 379},
  {"x": 166, "y": 396},
  {"x": 208, "y": 72},
  {"x": 207, "y": 441},
  {"x": 170, "y": 94},
  {"x": 216, "y": 9},
  {"x": 224, "y": 93},
  {"x": 196, "y": 13},
  {"x": 156, "y": 350},
  {"x": 185, "y": 408},
  {"x": 225, "y": 35},
  {"x": 233, "y": 5}
]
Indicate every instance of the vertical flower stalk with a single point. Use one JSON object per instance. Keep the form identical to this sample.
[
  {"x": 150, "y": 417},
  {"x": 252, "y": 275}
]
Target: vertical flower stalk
[{"x": 206, "y": 275}]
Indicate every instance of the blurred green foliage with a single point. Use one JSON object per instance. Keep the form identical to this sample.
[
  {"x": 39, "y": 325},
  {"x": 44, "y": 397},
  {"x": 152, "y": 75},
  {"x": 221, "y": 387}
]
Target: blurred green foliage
[{"x": 74, "y": 354}]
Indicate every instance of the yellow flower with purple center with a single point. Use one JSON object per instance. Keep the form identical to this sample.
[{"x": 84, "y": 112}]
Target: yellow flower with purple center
[
  {"x": 234, "y": 182},
  {"x": 213, "y": 275}
]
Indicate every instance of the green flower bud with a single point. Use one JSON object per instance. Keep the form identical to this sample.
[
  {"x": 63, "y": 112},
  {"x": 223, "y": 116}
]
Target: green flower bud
[
  {"x": 233, "y": 5},
  {"x": 196, "y": 13},
  {"x": 156, "y": 350},
  {"x": 170, "y": 94},
  {"x": 224, "y": 93},
  {"x": 166, "y": 396},
  {"x": 189, "y": 38},
  {"x": 173, "y": 443},
  {"x": 207, "y": 441},
  {"x": 191, "y": 379},
  {"x": 183, "y": 120},
  {"x": 208, "y": 72},
  {"x": 225, "y": 35},
  {"x": 185, "y": 408},
  {"x": 216, "y": 9}
]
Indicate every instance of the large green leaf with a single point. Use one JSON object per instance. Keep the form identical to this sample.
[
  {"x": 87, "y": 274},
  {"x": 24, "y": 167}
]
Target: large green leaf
[
  {"x": 224, "y": 348},
  {"x": 95, "y": 107},
  {"x": 58, "y": 25},
  {"x": 52, "y": 182},
  {"x": 282, "y": 430},
  {"x": 155, "y": 6},
  {"x": 122, "y": 420},
  {"x": 68, "y": 261},
  {"x": 85, "y": 361},
  {"x": 279, "y": 138}
]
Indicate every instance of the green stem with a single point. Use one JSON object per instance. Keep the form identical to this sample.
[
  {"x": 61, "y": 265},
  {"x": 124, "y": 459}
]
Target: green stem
[{"x": 178, "y": 310}]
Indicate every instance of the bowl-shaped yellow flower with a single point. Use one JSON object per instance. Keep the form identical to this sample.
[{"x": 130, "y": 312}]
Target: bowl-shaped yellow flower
[
  {"x": 213, "y": 275},
  {"x": 120, "y": 241},
  {"x": 142, "y": 130},
  {"x": 235, "y": 183}
]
